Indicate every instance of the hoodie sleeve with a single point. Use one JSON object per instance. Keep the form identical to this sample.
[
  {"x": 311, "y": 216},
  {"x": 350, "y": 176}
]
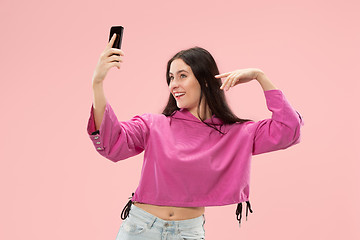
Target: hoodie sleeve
[
  {"x": 282, "y": 130},
  {"x": 118, "y": 140}
]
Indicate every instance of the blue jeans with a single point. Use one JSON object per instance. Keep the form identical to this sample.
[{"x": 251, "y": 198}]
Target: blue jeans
[{"x": 140, "y": 225}]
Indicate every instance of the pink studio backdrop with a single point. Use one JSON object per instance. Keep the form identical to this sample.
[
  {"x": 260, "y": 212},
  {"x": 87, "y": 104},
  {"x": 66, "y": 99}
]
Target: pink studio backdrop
[{"x": 54, "y": 185}]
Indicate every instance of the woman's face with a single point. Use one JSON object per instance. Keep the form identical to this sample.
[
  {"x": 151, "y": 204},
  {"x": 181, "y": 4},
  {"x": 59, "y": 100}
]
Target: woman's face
[{"x": 184, "y": 84}]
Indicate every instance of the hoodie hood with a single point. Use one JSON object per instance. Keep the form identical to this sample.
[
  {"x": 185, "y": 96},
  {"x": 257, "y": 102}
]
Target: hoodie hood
[{"x": 185, "y": 114}]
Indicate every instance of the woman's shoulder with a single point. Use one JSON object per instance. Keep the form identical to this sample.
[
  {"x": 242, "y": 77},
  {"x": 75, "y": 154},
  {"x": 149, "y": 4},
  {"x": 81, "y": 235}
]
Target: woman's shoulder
[{"x": 247, "y": 125}]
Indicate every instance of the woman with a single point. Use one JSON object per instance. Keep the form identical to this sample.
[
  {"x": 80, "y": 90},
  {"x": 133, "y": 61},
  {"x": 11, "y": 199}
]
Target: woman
[{"x": 197, "y": 152}]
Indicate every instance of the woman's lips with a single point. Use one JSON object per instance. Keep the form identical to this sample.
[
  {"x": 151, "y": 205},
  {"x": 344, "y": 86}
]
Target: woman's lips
[{"x": 178, "y": 97}]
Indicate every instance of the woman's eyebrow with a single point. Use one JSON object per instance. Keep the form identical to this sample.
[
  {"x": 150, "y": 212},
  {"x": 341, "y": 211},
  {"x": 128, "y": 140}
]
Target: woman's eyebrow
[{"x": 182, "y": 70}]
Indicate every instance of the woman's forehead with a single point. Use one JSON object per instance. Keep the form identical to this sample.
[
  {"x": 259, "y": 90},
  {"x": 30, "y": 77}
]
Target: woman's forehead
[{"x": 177, "y": 65}]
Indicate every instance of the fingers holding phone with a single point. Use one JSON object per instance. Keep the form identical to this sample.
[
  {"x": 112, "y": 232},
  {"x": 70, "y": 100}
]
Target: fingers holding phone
[
  {"x": 110, "y": 57},
  {"x": 114, "y": 54}
]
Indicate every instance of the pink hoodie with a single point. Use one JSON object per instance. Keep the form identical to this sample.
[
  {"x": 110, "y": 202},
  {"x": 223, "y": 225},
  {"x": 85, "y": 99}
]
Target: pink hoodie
[{"x": 189, "y": 164}]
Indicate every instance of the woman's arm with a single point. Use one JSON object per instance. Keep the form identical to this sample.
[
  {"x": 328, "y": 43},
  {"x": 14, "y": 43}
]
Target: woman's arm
[
  {"x": 118, "y": 140},
  {"x": 110, "y": 57},
  {"x": 99, "y": 101},
  {"x": 280, "y": 131},
  {"x": 245, "y": 75}
]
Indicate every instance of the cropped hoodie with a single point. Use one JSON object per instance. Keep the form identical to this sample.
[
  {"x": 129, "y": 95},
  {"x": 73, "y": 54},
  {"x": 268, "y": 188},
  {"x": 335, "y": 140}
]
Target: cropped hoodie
[{"x": 189, "y": 164}]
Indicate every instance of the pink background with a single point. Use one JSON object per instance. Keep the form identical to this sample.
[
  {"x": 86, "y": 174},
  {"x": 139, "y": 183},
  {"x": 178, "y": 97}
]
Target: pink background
[{"x": 54, "y": 185}]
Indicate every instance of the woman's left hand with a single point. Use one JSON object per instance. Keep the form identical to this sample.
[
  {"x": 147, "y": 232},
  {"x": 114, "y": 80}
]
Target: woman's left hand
[{"x": 238, "y": 76}]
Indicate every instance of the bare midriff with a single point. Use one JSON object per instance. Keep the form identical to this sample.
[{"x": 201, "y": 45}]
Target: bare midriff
[{"x": 169, "y": 213}]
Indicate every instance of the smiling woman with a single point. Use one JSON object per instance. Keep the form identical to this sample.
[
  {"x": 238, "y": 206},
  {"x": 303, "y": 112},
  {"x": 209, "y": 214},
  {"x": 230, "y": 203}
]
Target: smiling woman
[
  {"x": 195, "y": 70},
  {"x": 186, "y": 89},
  {"x": 197, "y": 152}
]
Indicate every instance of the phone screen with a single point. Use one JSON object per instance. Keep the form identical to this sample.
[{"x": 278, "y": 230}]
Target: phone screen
[{"x": 119, "y": 33}]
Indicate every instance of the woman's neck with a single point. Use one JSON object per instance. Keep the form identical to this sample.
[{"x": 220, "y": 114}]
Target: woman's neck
[{"x": 205, "y": 111}]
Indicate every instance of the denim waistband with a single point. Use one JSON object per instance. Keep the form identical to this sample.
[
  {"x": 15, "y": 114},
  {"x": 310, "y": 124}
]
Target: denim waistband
[{"x": 152, "y": 220}]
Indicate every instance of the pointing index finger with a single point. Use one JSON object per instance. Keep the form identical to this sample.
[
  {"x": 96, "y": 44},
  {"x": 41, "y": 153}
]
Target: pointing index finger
[{"x": 222, "y": 75}]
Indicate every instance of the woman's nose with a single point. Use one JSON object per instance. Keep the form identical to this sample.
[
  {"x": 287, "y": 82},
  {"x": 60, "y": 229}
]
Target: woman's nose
[{"x": 173, "y": 84}]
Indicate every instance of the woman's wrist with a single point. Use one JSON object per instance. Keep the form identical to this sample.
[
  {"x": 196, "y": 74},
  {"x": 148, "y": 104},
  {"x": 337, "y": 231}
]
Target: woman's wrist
[
  {"x": 96, "y": 84},
  {"x": 264, "y": 81}
]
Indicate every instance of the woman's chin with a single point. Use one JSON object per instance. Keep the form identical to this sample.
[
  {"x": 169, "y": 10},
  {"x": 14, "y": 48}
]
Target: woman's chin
[{"x": 180, "y": 105}]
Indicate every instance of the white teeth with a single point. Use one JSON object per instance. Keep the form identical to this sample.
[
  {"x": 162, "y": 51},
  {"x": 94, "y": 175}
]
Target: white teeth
[{"x": 179, "y": 94}]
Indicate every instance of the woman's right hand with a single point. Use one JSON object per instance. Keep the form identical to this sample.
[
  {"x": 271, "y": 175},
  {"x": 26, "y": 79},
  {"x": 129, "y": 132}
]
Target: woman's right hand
[{"x": 107, "y": 60}]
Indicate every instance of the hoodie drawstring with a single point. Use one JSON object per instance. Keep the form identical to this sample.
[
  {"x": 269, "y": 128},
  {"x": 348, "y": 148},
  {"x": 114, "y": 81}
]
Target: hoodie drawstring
[
  {"x": 126, "y": 210},
  {"x": 239, "y": 211}
]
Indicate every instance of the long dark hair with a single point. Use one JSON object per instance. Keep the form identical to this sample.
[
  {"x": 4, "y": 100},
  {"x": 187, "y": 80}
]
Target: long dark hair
[{"x": 204, "y": 68}]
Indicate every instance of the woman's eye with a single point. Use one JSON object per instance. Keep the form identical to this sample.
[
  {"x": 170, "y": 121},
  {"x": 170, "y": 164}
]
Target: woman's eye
[{"x": 181, "y": 76}]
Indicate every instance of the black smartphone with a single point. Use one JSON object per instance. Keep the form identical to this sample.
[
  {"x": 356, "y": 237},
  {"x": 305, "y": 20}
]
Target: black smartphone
[{"x": 119, "y": 33}]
